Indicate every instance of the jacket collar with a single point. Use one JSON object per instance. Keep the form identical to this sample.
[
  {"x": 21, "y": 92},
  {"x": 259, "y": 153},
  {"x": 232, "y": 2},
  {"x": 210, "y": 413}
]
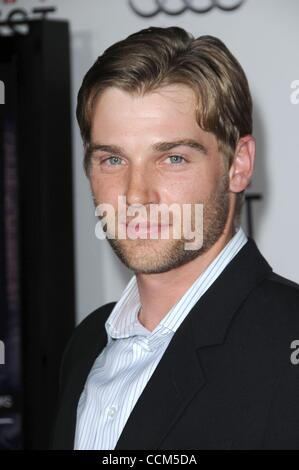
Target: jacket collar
[{"x": 212, "y": 315}]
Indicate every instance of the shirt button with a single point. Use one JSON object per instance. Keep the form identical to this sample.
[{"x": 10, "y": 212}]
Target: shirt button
[{"x": 111, "y": 411}]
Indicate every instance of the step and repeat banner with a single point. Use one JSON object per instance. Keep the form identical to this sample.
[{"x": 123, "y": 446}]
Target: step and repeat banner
[{"x": 36, "y": 226}]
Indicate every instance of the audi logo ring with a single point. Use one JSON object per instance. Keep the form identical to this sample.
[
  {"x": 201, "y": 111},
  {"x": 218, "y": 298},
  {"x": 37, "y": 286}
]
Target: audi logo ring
[{"x": 199, "y": 6}]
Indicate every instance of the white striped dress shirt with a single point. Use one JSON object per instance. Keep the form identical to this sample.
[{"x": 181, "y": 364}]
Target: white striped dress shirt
[{"x": 124, "y": 367}]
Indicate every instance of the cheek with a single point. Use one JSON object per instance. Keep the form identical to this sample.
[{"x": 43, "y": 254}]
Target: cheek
[
  {"x": 103, "y": 190},
  {"x": 197, "y": 185}
]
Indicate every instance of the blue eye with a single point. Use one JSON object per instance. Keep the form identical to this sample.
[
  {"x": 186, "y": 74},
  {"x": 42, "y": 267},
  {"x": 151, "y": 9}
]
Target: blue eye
[
  {"x": 176, "y": 158},
  {"x": 113, "y": 160}
]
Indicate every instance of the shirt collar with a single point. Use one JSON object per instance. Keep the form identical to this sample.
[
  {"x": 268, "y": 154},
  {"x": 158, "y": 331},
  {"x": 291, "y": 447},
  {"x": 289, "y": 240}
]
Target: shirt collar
[{"x": 123, "y": 321}]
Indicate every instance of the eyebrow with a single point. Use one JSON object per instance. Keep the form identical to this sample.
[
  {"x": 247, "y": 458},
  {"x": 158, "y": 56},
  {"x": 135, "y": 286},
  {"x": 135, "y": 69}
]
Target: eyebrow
[{"x": 159, "y": 146}]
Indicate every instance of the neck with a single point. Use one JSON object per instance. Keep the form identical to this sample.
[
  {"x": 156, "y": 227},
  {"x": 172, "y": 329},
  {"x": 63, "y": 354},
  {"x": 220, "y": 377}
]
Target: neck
[{"x": 173, "y": 284}]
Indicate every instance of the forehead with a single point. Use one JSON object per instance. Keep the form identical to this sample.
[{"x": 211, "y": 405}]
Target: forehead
[
  {"x": 136, "y": 122},
  {"x": 169, "y": 103}
]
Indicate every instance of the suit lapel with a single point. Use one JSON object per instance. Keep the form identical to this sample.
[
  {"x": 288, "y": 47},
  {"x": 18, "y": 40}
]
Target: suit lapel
[
  {"x": 179, "y": 375},
  {"x": 173, "y": 384}
]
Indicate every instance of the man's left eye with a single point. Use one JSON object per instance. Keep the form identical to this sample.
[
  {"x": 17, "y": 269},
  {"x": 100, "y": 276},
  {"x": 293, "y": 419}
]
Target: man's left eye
[{"x": 176, "y": 159}]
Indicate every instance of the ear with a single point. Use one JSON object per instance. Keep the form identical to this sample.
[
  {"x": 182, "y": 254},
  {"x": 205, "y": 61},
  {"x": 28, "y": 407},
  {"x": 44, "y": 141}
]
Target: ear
[{"x": 241, "y": 170}]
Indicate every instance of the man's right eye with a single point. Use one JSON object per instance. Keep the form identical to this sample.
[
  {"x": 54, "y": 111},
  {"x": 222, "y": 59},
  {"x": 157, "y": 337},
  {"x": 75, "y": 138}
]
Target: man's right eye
[{"x": 112, "y": 161}]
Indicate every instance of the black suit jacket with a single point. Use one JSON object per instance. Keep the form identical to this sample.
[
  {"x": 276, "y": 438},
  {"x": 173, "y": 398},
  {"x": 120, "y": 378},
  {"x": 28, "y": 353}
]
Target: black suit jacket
[{"x": 226, "y": 380}]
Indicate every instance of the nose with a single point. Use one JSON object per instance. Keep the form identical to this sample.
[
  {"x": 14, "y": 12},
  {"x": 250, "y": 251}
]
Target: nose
[{"x": 140, "y": 187}]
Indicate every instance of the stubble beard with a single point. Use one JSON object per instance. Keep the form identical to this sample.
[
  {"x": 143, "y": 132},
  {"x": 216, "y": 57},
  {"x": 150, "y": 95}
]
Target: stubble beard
[{"x": 150, "y": 256}]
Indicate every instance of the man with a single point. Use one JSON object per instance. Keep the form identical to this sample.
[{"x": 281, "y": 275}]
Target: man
[{"x": 199, "y": 352}]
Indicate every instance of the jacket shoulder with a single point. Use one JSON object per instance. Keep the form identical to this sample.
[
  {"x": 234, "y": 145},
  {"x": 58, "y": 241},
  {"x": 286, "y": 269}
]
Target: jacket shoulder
[
  {"x": 281, "y": 291},
  {"x": 284, "y": 283},
  {"x": 84, "y": 337},
  {"x": 90, "y": 325},
  {"x": 93, "y": 321},
  {"x": 273, "y": 306}
]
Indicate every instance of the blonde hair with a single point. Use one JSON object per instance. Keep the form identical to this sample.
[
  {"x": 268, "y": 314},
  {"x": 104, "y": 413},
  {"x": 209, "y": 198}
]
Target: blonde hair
[{"x": 156, "y": 57}]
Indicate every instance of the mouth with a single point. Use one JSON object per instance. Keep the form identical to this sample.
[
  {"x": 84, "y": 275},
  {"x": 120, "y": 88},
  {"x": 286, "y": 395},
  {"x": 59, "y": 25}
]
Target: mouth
[{"x": 145, "y": 228}]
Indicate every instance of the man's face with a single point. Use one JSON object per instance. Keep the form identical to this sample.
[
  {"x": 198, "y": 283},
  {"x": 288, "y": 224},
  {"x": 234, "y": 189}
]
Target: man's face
[{"x": 132, "y": 136}]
